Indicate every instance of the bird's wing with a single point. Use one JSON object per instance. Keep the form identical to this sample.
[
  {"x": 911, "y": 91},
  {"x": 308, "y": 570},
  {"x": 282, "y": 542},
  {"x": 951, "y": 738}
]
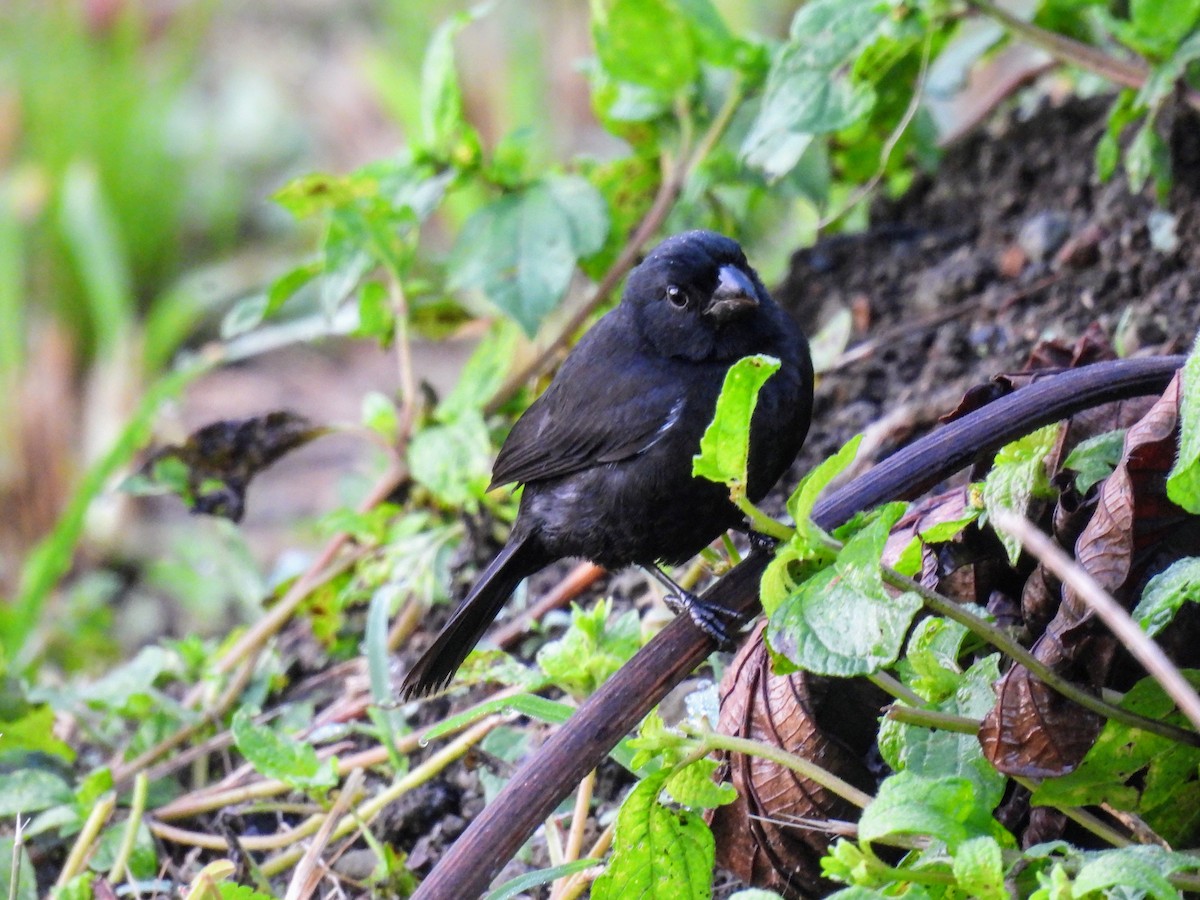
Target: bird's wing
[{"x": 583, "y": 421}]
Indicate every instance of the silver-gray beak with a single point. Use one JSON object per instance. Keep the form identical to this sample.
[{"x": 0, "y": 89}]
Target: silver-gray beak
[{"x": 734, "y": 297}]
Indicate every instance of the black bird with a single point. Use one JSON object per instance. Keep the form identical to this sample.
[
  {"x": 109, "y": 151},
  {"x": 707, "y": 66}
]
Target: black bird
[{"x": 605, "y": 453}]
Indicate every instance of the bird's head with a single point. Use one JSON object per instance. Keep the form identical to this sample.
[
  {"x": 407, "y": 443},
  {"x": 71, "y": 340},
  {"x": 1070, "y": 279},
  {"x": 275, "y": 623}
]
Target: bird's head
[{"x": 695, "y": 297}]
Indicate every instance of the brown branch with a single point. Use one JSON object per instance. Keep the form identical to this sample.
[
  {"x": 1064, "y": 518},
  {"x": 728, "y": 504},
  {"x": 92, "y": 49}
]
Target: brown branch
[{"x": 544, "y": 780}]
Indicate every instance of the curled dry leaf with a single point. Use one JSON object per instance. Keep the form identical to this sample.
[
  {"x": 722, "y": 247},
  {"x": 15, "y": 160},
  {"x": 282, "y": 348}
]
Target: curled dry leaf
[
  {"x": 212, "y": 469},
  {"x": 776, "y": 832},
  {"x": 1034, "y": 731}
]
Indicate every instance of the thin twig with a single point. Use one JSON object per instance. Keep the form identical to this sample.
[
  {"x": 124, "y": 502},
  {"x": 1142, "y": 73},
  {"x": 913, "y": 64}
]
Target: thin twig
[
  {"x": 306, "y": 876},
  {"x": 1070, "y": 573},
  {"x": 1131, "y": 74},
  {"x": 137, "y": 808},
  {"x": 579, "y": 820}
]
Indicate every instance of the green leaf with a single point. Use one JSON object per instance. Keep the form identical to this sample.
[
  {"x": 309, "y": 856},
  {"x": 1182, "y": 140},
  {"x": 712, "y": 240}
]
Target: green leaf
[
  {"x": 647, "y": 42},
  {"x": 1165, "y": 593},
  {"x": 592, "y": 649},
  {"x": 521, "y": 250},
  {"x": 1139, "y": 868},
  {"x": 725, "y": 446},
  {"x": 274, "y": 755},
  {"x": 945, "y": 809},
  {"x": 693, "y": 785},
  {"x": 135, "y": 679},
  {"x": 1095, "y": 458},
  {"x": 454, "y": 460},
  {"x": 443, "y": 125},
  {"x": 1183, "y": 482},
  {"x": 1017, "y": 477},
  {"x": 714, "y": 42},
  {"x": 809, "y": 91},
  {"x": 287, "y": 284},
  {"x": 1108, "y": 150},
  {"x": 658, "y": 853},
  {"x": 380, "y": 415},
  {"x": 979, "y": 867},
  {"x": 1136, "y": 771},
  {"x": 843, "y": 621},
  {"x": 93, "y": 235},
  {"x": 933, "y": 753},
  {"x": 28, "y": 791},
  {"x": 483, "y": 374},
  {"x": 1148, "y": 157},
  {"x": 523, "y": 884},
  {"x": 33, "y": 732}
]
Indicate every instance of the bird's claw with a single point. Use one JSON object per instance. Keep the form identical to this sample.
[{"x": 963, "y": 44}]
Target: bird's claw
[
  {"x": 718, "y": 622},
  {"x": 760, "y": 543}
]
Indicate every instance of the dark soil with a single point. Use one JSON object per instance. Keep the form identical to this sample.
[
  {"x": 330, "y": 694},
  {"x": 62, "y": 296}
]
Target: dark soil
[
  {"x": 1011, "y": 242},
  {"x": 1016, "y": 241}
]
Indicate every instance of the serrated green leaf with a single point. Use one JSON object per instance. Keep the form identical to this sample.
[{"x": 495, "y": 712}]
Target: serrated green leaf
[
  {"x": 843, "y": 621},
  {"x": 1017, "y": 477},
  {"x": 725, "y": 445},
  {"x": 647, "y": 42},
  {"x": 1095, "y": 458},
  {"x": 693, "y": 786},
  {"x": 275, "y": 755},
  {"x": 453, "y": 460},
  {"x": 1134, "y": 770},
  {"x": 1165, "y": 593},
  {"x": 521, "y": 250},
  {"x": 945, "y": 809},
  {"x": 1183, "y": 482},
  {"x": 1142, "y": 868},
  {"x": 658, "y": 853},
  {"x": 934, "y": 752},
  {"x": 592, "y": 649},
  {"x": 979, "y": 867}
]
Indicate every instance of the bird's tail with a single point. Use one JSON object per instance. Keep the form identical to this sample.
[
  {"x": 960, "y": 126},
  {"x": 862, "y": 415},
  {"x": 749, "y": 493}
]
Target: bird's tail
[{"x": 521, "y": 556}]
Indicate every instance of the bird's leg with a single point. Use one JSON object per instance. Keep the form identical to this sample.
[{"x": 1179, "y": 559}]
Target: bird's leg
[
  {"x": 761, "y": 543},
  {"x": 716, "y": 621}
]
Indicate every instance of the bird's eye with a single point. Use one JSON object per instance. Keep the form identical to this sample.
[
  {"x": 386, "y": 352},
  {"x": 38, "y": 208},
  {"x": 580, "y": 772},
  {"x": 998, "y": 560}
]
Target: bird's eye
[{"x": 676, "y": 297}]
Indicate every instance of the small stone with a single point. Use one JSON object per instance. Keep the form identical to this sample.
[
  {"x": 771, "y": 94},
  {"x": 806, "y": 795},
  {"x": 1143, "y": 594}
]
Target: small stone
[
  {"x": 1043, "y": 234},
  {"x": 1081, "y": 250}
]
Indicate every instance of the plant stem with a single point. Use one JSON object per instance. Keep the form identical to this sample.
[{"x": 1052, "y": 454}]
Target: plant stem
[
  {"x": 1145, "y": 650},
  {"x": 802, "y": 767},
  {"x": 1007, "y": 645},
  {"x": 929, "y": 718}
]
